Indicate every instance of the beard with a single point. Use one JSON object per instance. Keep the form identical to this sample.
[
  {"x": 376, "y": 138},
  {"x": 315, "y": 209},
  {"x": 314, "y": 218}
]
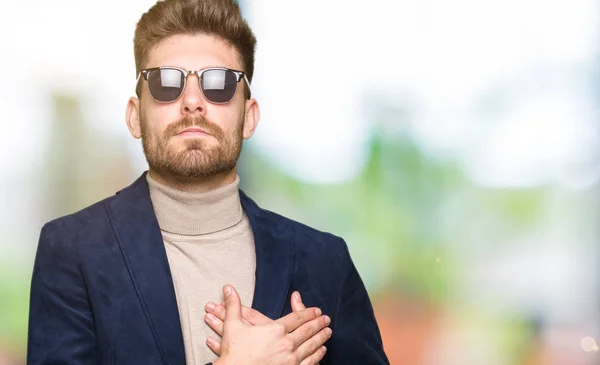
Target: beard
[{"x": 197, "y": 158}]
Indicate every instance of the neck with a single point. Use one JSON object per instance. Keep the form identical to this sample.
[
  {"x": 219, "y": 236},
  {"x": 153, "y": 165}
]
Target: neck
[
  {"x": 195, "y": 213},
  {"x": 192, "y": 184}
]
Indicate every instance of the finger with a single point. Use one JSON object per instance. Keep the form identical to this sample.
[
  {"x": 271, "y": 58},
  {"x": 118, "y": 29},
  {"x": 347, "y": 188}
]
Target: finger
[
  {"x": 255, "y": 317},
  {"x": 249, "y": 315},
  {"x": 296, "y": 302},
  {"x": 218, "y": 310},
  {"x": 315, "y": 357},
  {"x": 214, "y": 345},
  {"x": 316, "y": 328},
  {"x": 233, "y": 304},
  {"x": 296, "y": 319},
  {"x": 314, "y": 343},
  {"x": 215, "y": 323}
]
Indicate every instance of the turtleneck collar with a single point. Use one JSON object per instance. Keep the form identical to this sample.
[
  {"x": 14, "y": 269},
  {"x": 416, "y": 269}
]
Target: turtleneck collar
[{"x": 191, "y": 214}]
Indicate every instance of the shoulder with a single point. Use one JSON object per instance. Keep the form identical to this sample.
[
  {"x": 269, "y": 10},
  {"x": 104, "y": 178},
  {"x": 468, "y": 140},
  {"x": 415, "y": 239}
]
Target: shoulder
[
  {"x": 311, "y": 235},
  {"x": 307, "y": 238},
  {"x": 84, "y": 219},
  {"x": 94, "y": 218},
  {"x": 81, "y": 232}
]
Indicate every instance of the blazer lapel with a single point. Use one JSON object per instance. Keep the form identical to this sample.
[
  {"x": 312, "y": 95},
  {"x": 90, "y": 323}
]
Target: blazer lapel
[
  {"x": 274, "y": 259},
  {"x": 138, "y": 234}
]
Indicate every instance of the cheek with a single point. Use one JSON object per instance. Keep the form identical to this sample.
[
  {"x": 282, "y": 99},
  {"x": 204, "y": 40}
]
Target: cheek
[
  {"x": 157, "y": 119},
  {"x": 228, "y": 119}
]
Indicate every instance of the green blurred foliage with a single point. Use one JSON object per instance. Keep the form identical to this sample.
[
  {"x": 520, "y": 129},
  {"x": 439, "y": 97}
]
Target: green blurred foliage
[{"x": 14, "y": 305}]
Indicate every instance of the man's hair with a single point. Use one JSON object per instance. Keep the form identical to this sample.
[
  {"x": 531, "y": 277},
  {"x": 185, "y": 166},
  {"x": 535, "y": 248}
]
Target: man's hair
[{"x": 221, "y": 18}]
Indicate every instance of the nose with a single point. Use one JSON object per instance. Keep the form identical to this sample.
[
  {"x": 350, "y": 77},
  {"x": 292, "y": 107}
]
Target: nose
[{"x": 193, "y": 101}]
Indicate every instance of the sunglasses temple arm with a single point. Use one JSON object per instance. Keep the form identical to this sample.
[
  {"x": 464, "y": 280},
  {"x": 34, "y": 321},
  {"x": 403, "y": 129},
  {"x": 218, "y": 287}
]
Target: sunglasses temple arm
[{"x": 248, "y": 84}]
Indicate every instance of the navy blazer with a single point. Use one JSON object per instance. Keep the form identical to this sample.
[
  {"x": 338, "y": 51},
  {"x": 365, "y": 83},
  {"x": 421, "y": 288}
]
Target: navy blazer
[{"x": 102, "y": 291}]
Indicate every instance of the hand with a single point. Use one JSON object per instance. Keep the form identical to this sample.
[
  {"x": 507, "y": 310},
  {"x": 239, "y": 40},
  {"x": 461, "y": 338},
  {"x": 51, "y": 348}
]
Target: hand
[
  {"x": 216, "y": 316},
  {"x": 294, "y": 339}
]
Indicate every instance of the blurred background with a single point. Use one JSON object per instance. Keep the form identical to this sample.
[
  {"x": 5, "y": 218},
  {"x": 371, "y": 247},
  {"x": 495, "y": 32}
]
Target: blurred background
[{"x": 453, "y": 144}]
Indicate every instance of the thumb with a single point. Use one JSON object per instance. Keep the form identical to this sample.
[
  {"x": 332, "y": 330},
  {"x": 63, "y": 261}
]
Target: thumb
[{"x": 233, "y": 304}]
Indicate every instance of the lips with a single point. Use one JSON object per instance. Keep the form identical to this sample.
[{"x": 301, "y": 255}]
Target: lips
[{"x": 193, "y": 131}]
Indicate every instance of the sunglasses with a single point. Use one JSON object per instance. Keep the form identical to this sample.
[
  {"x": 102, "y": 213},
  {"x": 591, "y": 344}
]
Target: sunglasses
[{"x": 218, "y": 84}]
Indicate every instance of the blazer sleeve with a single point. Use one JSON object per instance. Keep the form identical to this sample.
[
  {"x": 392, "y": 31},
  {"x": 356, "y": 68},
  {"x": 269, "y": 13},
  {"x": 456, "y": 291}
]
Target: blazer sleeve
[
  {"x": 356, "y": 338},
  {"x": 61, "y": 324}
]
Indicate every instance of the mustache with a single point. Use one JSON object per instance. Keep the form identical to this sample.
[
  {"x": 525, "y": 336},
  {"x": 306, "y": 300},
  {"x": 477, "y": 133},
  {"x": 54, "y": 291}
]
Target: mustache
[{"x": 194, "y": 121}]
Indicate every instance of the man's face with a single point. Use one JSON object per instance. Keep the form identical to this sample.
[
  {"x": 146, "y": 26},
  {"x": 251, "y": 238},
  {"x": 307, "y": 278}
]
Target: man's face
[{"x": 191, "y": 137}]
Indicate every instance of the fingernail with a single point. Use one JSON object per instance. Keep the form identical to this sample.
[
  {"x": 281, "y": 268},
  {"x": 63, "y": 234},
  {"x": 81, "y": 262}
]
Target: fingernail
[
  {"x": 210, "y": 317},
  {"x": 323, "y": 348},
  {"x": 328, "y": 331},
  {"x": 210, "y": 341},
  {"x": 227, "y": 290},
  {"x": 297, "y": 297},
  {"x": 210, "y": 306},
  {"x": 318, "y": 311},
  {"x": 327, "y": 320}
]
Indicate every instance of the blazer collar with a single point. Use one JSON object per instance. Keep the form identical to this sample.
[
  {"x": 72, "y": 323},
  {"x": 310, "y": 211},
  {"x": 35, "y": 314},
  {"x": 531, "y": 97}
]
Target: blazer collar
[
  {"x": 274, "y": 258},
  {"x": 139, "y": 237}
]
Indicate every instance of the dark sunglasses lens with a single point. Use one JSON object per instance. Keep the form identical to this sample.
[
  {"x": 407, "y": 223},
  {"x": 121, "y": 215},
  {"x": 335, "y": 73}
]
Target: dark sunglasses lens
[
  {"x": 218, "y": 86},
  {"x": 165, "y": 85}
]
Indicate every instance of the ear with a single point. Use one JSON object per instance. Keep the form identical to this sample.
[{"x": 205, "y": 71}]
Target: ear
[
  {"x": 132, "y": 116},
  {"x": 251, "y": 118}
]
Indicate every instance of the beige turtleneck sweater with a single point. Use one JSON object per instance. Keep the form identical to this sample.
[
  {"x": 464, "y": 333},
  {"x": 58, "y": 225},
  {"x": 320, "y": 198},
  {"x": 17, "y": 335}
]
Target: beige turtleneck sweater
[{"x": 209, "y": 243}]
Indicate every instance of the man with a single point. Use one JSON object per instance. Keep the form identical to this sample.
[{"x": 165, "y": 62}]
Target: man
[{"x": 137, "y": 277}]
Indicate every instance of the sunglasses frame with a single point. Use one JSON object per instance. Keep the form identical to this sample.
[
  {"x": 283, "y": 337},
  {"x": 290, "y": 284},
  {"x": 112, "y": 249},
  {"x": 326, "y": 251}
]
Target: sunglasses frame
[{"x": 240, "y": 75}]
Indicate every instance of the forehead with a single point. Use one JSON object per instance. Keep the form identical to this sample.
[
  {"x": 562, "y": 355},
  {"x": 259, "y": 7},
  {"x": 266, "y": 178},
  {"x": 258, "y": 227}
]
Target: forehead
[{"x": 193, "y": 52}]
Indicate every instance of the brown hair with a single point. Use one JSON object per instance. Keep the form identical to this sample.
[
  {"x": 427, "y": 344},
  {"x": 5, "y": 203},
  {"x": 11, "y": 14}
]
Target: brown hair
[{"x": 167, "y": 18}]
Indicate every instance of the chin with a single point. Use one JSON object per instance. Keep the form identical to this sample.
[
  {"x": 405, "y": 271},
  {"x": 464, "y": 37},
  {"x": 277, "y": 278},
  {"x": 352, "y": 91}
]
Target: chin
[{"x": 196, "y": 143}]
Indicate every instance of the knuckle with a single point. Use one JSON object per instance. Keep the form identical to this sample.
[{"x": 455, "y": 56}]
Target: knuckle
[
  {"x": 286, "y": 345},
  {"x": 320, "y": 339},
  {"x": 314, "y": 328},
  {"x": 318, "y": 357},
  {"x": 279, "y": 329},
  {"x": 294, "y": 359},
  {"x": 289, "y": 344},
  {"x": 317, "y": 325},
  {"x": 252, "y": 315}
]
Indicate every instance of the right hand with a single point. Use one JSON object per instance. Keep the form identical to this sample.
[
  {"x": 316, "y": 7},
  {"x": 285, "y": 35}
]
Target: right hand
[
  {"x": 295, "y": 339},
  {"x": 216, "y": 313}
]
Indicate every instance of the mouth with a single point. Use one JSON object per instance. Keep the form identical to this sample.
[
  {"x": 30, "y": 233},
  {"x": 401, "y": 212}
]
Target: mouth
[{"x": 194, "y": 131}]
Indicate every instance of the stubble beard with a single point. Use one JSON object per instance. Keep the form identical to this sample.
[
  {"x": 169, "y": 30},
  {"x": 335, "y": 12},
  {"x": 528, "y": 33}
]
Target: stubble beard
[{"x": 197, "y": 159}]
